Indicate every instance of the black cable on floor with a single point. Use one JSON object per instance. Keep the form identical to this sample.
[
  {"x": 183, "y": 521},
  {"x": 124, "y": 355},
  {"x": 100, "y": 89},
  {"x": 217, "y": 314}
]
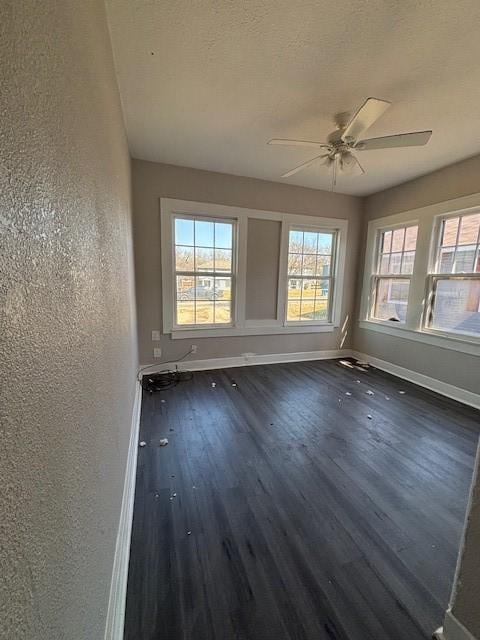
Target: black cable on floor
[{"x": 153, "y": 382}]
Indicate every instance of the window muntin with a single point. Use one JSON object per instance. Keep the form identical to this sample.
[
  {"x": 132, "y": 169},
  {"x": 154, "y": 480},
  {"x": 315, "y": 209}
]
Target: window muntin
[
  {"x": 394, "y": 267},
  {"x": 309, "y": 275},
  {"x": 454, "y": 284},
  {"x": 204, "y": 274}
]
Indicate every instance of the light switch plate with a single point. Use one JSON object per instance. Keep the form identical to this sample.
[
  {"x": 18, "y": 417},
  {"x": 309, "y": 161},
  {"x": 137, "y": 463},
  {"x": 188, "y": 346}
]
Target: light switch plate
[
  {"x": 155, "y": 335},
  {"x": 157, "y": 352}
]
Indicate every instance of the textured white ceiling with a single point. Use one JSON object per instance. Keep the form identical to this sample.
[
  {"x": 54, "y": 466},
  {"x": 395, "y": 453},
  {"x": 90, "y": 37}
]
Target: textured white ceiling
[{"x": 206, "y": 83}]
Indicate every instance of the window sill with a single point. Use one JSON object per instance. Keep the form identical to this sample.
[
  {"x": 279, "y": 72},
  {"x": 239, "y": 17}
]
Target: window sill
[
  {"x": 260, "y": 330},
  {"x": 464, "y": 345}
]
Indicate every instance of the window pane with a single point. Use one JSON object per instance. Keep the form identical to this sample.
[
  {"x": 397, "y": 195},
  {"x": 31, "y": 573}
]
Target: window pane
[
  {"x": 323, "y": 266},
  {"x": 457, "y": 306},
  {"x": 184, "y": 258},
  {"x": 203, "y": 246},
  {"x": 222, "y": 312},
  {"x": 295, "y": 244},
  {"x": 310, "y": 254},
  {"x": 223, "y": 288},
  {"x": 325, "y": 242},
  {"x": 321, "y": 309},
  {"x": 391, "y": 299},
  {"x": 446, "y": 260},
  {"x": 293, "y": 310},
  {"x": 294, "y": 288},
  {"x": 309, "y": 264},
  {"x": 464, "y": 259},
  {"x": 223, "y": 260},
  {"x": 223, "y": 235},
  {"x": 411, "y": 238},
  {"x": 185, "y": 288},
  {"x": 183, "y": 231},
  {"x": 185, "y": 312},
  {"x": 384, "y": 262},
  {"x": 295, "y": 263},
  {"x": 469, "y": 229},
  {"x": 203, "y": 259},
  {"x": 203, "y": 233},
  {"x": 322, "y": 293},
  {"x": 204, "y": 288},
  {"x": 395, "y": 262},
  {"x": 449, "y": 232},
  {"x": 307, "y": 309},
  {"x": 310, "y": 242},
  {"x": 397, "y": 239},
  {"x": 204, "y": 312},
  {"x": 387, "y": 242},
  {"x": 407, "y": 261}
]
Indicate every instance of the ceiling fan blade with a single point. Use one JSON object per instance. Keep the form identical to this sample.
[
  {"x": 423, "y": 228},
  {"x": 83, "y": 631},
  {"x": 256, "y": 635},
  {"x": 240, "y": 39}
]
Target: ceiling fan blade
[
  {"x": 300, "y": 143},
  {"x": 303, "y": 166},
  {"x": 415, "y": 139},
  {"x": 369, "y": 112},
  {"x": 350, "y": 165}
]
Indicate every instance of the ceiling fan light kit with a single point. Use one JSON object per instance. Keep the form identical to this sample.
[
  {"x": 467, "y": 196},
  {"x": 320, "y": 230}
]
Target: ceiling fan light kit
[{"x": 338, "y": 151}]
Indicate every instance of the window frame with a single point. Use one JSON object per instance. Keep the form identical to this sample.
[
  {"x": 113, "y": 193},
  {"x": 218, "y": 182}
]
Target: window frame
[
  {"x": 209, "y": 274},
  {"x": 434, "y": 275},
  {"x": 331, "y": 277},
  {"x": 416, "y": 328},
  {"x": 241, "y": 326},
  {"x": 376, "y": 276}
]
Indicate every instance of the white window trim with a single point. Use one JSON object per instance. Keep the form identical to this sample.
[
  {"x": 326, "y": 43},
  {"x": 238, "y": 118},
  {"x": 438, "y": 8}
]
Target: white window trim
[
  {"x": 428, "y": 220},
  {"x": 241, "y": 326}
]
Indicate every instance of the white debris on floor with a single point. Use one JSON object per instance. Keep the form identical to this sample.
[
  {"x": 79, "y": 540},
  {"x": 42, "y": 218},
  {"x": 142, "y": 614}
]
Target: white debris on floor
[
  {"x": 162, "y": 401},
  {"x": 347, "y": 393},
  {"x": 142, "y": 443},
  {"x": 370, "y": 392},
  {"x": 369, "y": 417},
  {"x": 214, "y": 384},
  {"x": 163, "y": 442},
  {"x": 402, "y": 393}
]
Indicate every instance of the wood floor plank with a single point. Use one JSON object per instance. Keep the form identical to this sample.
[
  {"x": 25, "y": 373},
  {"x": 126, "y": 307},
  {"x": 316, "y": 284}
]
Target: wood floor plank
[{"x": 296, "y": 505}]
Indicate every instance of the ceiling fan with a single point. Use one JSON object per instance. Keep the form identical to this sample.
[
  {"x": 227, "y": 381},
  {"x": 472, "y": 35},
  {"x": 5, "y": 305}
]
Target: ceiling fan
[{"x": 338, "y": 151}]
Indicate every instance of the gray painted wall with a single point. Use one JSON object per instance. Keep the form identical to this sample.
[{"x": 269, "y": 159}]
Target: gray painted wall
[
  {"x": 152, "y": 181},
  {"x": 459, "y": 369},
  {"x": 67, "y": 339}
]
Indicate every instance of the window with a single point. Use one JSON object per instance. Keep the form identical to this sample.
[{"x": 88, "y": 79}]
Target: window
[
  {"x": 454, "y": 283},
  {"x": 309, "y": 277},
  {"x": 394, "y": 268},
  {"x": 209, "y": 288},
  {"x": 204, "y": 271}
]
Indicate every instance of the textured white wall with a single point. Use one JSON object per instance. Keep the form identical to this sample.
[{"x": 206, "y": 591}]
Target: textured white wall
[{"x": 67, "y": 336}]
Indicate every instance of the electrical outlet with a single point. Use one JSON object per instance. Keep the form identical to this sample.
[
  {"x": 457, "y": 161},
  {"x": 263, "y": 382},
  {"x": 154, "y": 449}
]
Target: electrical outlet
[
  {"x": 157, "y": 352},
  {"x": 155, "y": 335},
  {"x": 193, "y": 348}
]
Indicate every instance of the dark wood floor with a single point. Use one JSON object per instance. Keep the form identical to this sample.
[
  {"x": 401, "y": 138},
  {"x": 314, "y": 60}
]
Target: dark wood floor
[{"x": 308, "y": 520}]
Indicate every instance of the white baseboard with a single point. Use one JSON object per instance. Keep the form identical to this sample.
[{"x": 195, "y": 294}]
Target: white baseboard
[
  {"x": 249, "y": 359},
  {"x": 445, "y": 389},
  {"x": 453, "y": 629},
  {"x": 118, "y": 586}
]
